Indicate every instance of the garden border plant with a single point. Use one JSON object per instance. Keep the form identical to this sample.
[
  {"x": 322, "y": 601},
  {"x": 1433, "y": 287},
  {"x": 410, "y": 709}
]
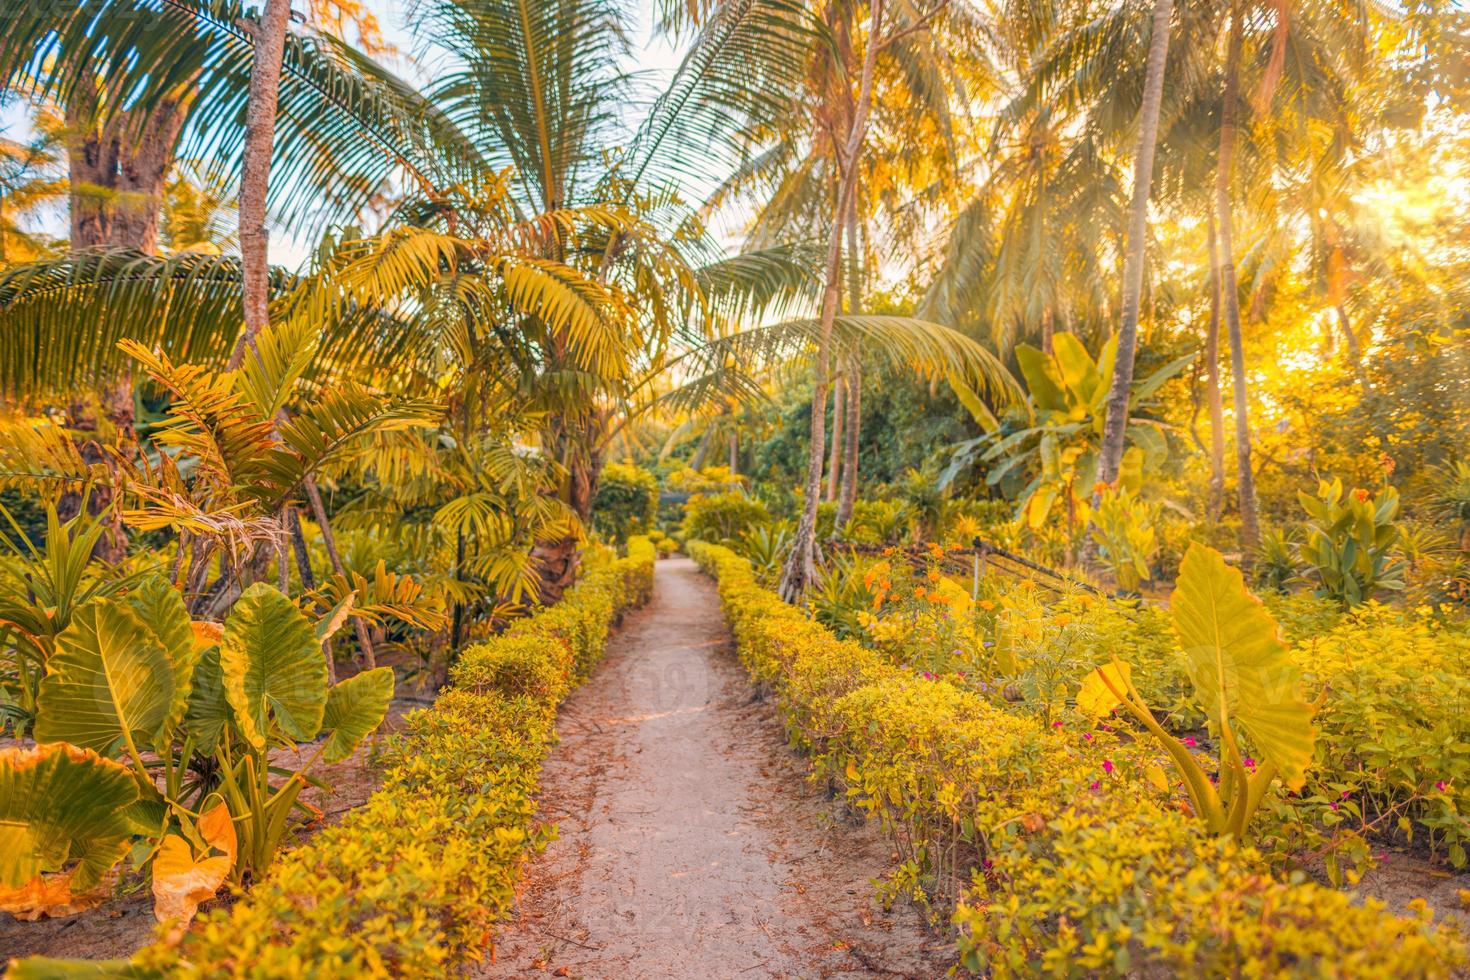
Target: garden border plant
[
  {"x": 411, "y": 883},
  {"x": 1060, "y": 850}
]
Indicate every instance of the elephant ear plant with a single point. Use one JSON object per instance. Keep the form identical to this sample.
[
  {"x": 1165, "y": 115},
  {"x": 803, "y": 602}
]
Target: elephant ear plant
[
  {"x": 155, "y": 738},
  {"x": 1246, "y": 684}
]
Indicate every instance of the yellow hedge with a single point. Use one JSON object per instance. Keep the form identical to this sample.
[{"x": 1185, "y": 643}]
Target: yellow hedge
[
  {"x": 410, "y": 883},
  {"x": 1056, "y": 852}
]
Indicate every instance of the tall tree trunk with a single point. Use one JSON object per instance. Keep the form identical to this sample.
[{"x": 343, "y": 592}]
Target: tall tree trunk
[
  {"x": 1048, "y": 331},
  {"x": 801, "y": 567},
  {"x": 847, "y": 495},
  {"x": 329, "y": 542},
  {"x": 1250, "y": 531},
  {"x": 1115, "y": 427},
  {"x": 1212, "y": 382},
  {"x": 117, "y": 167},
  {"x": 834, "y": 454},
  {"x": 1354, "y": 349},
  {"x": 558, "y": 558},
  {"x": 734, "y": 454},
  {"x": 255, "y": 170}
]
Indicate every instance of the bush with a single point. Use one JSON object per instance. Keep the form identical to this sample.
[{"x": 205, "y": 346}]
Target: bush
[
  {"x": 626, "y": 502},
  {"x": 722, "y": 516},
  {"x": 411, "y": 883},
  {"x": 1060, "y": 853}
]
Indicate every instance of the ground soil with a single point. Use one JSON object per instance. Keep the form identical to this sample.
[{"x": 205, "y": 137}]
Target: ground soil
[
  {"x": 124, "y": 924},
  {"x": 691, "y": 844}
]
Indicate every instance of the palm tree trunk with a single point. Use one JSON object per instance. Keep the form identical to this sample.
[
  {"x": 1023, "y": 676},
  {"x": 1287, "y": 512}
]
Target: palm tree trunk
[
  {"x": 1250, "y": 531},
  {"x": 801, "y": 567},
  {"x": 734, "y": 454},
  {"x": 1116, "y": 426},
  {"x": 834, "y": 455},
  {"x": 1212, "y": 379},
  {"x": 1354, "y": 350},
  {"x": 329, "y": 542},
  {"x": 255, "y": 170},
  {"x": 847, "y": 495}
]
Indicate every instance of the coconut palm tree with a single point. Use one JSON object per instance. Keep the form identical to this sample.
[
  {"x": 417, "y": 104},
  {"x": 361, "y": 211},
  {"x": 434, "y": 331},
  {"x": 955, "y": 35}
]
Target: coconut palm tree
[
  {"x": 539, "y": 248},
  {"x": 1110, "y": 457}
]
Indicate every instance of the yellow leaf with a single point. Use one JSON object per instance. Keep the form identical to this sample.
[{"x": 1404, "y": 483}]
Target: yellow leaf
[
  {"x": 181, "y": 880},
  {"x": 50, "y": 896},
  {"x": 1156, "y": 778},
  {"x": 1238, "y": 663},
  {"x": 1096, "y": 698}
]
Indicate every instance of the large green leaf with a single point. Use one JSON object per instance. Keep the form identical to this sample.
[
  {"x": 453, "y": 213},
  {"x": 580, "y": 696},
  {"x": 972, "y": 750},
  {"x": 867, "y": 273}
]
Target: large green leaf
[
  {"x": 1238, "y": 663},
  {"x": 208, "y": 710},
  {"x": 355, "y": 708},
  {"x": 109, "y": 680},
  {"x": 1041, "y": 382},
  {"x": 161, "y": 608},
  {"x": 58, "y": 803},
  {"x": 273, "y": 667},
  {"x": 1078, "y": 371}
]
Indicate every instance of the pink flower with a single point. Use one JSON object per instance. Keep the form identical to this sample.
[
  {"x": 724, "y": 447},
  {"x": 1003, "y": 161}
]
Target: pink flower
[
  {"x": 1057, "y": 724},
  {"x": 1190, "y": 742},
  {"x": 1094, "y": 786},
  {"x": 1087, "y": 735},
  {"x": 1108, "y": 766},
  {"x": 1250, "y": 763},
  {"x": 1441, "y": 786},
  {"x": 1335, "y": 806},
  {"x": 1346, "y": 793}
]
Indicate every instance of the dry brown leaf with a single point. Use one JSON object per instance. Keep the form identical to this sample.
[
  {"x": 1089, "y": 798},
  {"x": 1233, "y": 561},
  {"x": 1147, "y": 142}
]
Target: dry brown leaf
[{"x": 180, "y": 880}]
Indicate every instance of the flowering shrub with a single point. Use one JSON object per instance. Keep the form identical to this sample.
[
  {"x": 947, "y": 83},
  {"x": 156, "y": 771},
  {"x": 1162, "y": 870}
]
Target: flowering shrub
[
  {"x": 1061, "y": 850},
  {"x": 1351, "y": 539},
  {"x": 410, "y": 883}
]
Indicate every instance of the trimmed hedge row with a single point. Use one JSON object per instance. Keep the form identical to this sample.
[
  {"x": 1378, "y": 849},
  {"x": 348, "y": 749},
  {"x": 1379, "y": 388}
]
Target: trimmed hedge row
[
  {"x": 1057, "y": 852},
  {"x": 410, "y": 883}
]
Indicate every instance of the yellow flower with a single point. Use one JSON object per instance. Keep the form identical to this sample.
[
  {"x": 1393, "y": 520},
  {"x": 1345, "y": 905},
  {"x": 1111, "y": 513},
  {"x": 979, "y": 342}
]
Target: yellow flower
[
  {"x": 987, "y": 605},
  {"x": 1061, "y": 619},
  {"x": 933, "y": 575}
]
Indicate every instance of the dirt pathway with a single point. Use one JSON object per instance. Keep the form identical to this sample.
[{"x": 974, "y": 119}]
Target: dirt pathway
[{"x": 690, "y": 843}]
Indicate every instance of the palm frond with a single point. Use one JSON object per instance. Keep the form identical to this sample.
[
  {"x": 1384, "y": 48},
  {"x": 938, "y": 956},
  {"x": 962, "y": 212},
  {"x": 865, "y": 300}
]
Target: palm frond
[{"x": 345, "y": 124}]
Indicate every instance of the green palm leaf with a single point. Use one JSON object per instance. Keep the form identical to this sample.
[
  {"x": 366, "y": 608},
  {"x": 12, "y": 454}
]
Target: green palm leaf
[{"x": 344, "y": 123}]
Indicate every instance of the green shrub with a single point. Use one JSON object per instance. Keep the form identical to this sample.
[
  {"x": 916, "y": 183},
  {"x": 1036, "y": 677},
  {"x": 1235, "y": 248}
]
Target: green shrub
[
  {"x": 626, "y": 502},
  {"x": 1351, "y": 539},
  {"x": 722, "y": 516},
  {"x": 411, "y": 883},
  {"x": 1062, "y": 855}
]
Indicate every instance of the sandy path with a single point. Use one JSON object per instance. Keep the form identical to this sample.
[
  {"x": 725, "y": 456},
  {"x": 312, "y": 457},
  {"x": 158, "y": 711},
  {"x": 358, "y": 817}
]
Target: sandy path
[{"x": 690, "y": 843}]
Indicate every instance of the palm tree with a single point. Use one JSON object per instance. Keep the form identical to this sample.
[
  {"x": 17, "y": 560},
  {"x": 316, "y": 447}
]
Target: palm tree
[
  {"x": 31, "y": 179},
  {"x": 567, "y": 284},
  {"x": 1250, "y": 530},
  {"x": 1110, "y": 457},
  {"x": 255, "y": 169}
]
